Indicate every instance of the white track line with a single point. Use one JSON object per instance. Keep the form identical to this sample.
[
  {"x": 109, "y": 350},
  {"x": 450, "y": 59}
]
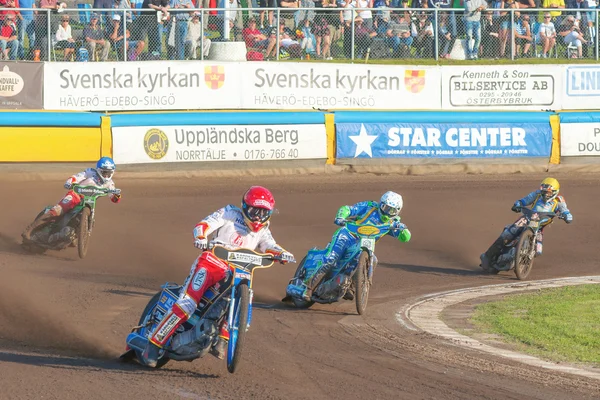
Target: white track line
[{"x": 424, "y": 315}]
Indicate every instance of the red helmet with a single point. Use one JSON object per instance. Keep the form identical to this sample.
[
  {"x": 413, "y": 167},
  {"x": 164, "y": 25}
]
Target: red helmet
[{"x": 257, "y": 205}]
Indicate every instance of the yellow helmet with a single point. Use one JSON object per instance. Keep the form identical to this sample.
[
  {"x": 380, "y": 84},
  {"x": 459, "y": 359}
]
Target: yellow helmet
[{"x": 549, "y": 188}]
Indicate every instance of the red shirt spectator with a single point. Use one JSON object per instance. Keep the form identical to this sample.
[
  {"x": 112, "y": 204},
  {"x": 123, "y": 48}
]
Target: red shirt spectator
[
  {"x": 9, "y": 32},
  {"x": 9, "y": 4},
  {"x": 252, "y": 35}
]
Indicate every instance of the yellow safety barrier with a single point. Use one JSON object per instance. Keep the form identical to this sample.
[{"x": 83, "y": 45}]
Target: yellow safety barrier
[
  {"x": 555, "y": 151},
  {"x": 331, "y": 144},
  {"x": 34, "y": 144},
  {"x": 106, "y": 148}
]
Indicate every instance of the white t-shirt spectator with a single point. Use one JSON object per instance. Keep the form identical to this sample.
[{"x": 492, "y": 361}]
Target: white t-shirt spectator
[
  {"x": 63, "y": 34},
  {"x": 548, "y": 29},
  {"x": 364, "y": 14}
]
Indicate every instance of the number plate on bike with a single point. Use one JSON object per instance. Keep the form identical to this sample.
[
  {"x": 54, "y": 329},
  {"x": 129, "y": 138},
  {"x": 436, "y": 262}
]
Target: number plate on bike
[{"x": 367, "y": 243}]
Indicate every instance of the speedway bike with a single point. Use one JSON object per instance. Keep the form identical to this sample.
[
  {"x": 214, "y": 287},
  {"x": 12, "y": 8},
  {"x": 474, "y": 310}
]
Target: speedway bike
[
  {"x": 355, "y": 268},
  {"x": 519, "y": 253},
  {"x": 71, "y": 229},
  {"x": 229, "y": 300}
]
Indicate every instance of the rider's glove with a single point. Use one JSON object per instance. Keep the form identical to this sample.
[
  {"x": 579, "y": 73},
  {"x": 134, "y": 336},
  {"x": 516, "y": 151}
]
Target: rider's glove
[
  {"x": 287, "y": 257},
  {"x": 516, "y": 207},
  {"x": 68, "y": 185},
  {"x": 397, "y": 225},
  {"x": 567, "y": 217},
  {"x": 340, "y": 221},
  {"x": 201, "y": 243},
  {"x": 116, "y": 198}
]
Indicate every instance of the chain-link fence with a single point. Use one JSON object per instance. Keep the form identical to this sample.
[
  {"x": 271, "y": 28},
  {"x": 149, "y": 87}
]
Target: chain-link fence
[{"x": 296, "y": 30}]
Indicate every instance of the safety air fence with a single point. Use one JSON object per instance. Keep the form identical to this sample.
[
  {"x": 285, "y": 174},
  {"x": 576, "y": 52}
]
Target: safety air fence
[{"x": 201, "y": 111}]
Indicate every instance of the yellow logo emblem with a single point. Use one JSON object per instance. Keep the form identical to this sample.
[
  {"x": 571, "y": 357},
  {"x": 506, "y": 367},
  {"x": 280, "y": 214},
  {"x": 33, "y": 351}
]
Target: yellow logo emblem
[
  {"x": 368, "y": 230},
  {"x": 156, "y": 144}
]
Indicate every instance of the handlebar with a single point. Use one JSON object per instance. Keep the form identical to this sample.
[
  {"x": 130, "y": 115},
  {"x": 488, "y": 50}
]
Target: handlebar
[{"x": 268, "y": 256}]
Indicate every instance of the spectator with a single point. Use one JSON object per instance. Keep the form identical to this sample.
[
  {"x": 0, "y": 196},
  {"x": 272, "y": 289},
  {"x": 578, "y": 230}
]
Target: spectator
[
  {"x": 194, "y": 39},
  {"x": 47, "y": 7},
  {"x": 323, "y": 37},
  {"x": 365, "y": 13},
  {"x": 25, "y": 25},
  {"x": 309, "y": 40},
  {"x": 422, "y": 31},
  {"x": 490, "y": 29},
  {"x": 180, "y": 9},
  {"x": 547, "y": 35},
  {"x": 526, "y": 3},
  {"x": 94, "y": 38},
  {"x": 290, "y": 44},
  {"x": 504, "y": 20},
  {"x": 523, "y": 36},
  {"x": 473, "y": 9},
  {"x": 9, "y": 43},
  {"x": 133, "y": 48},
  {"x": 267, "y": 4},
  {"x": 445, "y": 38},
  {"x": 64, "y": 38},
  {"x": 256, "y": 40},
  {"x": 569, "y": 30},
  {"x": 9, "y": 4},
  {"x": 363, "y": 37},
  {"x": 399, "y": 36},
  {"x": 149, "y": 25},
  {"x": 301, "y": 15},
  {"x": 553, "y": 5}
]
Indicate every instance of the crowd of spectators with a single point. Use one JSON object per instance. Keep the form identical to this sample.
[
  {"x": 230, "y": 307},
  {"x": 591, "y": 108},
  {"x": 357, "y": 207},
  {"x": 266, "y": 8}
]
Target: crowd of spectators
[{"x": 172, "y": 29}]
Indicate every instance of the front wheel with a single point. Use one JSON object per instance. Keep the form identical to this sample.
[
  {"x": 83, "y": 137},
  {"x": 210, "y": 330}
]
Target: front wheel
[
  {"x": 239, "y": 327},
  {"x": 361, "y": 283},
  {"x": 523, "y": 257},
  {"x": 146, "y": 316},
  {"x": 83, "y": 235}
]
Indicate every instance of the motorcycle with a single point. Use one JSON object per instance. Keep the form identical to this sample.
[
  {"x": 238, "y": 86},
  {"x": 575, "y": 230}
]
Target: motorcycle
[
  {"x": 71, "y": 229},
  {"x": 230, "y": 300},
  {"x": 518, "y": 254},
  {"x": 355, "y": 268}
]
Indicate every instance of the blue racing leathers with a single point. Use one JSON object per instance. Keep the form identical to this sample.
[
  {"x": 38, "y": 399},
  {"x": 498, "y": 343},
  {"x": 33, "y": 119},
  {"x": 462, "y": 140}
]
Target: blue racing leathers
[
  {"x": 363, "y": 212},
  {"x": 536, "y": 202}
]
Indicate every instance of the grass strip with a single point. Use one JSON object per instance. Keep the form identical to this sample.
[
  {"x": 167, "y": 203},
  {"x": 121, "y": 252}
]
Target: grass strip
[{"x": 559, "y": 324}]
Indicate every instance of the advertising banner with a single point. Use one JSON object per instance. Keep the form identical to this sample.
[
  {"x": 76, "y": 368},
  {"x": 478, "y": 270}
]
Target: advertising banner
[
  {"x": 149, "y": 85},
  {"x": 505, "y": 87},
  {"x": 151, "y": 144},
  {"x": 21, "y": 85},
  {"x": 443, "y": 140},
  {"x": 582, "y": 87},
  {"x": 580, "y": 139},
  {"x": 306, "y": 86}
]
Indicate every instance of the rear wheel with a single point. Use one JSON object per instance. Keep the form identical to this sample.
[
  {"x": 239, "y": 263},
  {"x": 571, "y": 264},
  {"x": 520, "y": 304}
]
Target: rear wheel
[
  {"x": 144, "y": 318},
  {"x": 238, "y": 330},
  {"x": 300, "y": 272},
  {"x": 523, "y": 260},
  {"x": 361, "y": 283},
  {"x": 83, "y": 235}
]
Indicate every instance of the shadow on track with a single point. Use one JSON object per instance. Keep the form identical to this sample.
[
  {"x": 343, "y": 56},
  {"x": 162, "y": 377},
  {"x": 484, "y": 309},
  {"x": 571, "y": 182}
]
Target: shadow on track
[
  {"x": 62, "y": 362},
  {"x": 426, "y": 269},
  {"x": 10, "y": 245}
]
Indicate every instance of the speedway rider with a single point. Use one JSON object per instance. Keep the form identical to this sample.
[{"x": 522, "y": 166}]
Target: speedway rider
[
  {"x": 545, "y": 199},
  {"x": 235, "y": 228},
  {"x": 100, "y": 177},
  {"x": 387, "y": 211}
]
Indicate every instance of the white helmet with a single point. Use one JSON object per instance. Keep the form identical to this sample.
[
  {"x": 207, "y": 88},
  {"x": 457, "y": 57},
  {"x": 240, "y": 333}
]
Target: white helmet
[{"x": 390, "y": 204}]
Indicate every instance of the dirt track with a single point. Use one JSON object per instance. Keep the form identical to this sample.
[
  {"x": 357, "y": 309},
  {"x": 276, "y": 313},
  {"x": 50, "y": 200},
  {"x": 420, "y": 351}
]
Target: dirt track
[{"x": 63, "y": 320}]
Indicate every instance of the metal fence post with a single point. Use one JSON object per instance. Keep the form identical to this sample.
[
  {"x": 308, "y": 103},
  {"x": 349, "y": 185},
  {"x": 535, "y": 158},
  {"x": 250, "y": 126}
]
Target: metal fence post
[
  {"x": 202, "y": 35},
  {"x": 124, "y": 19},
  {"x": 49, "y": 35},
  {"x": 277, "y": 24},
  {"x": 511, "y": 34},
  {"x": 596, "y": 32},
  {"x": 352, "y": 33},
  {"x": 436, "y": 32}
]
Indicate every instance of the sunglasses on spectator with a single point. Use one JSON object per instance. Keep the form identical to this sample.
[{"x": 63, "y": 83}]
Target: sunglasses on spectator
[{"x": 547, "y": 16}]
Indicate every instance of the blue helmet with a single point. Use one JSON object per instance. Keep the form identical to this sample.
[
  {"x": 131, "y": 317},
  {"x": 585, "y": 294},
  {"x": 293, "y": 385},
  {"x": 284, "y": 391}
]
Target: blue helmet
[{"x": 105, "y": 167}]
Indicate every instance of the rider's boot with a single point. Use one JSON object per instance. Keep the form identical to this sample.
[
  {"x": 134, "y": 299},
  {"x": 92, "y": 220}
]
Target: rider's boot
[
  {"x": 349, "y": 295},
  {"x": 493, "y": 251},
  {"x": 39, "y": 221},
  {"x": 219, "y": 350},
  {"x": 316, "y": 279},
  {"x": 161, "y": 335}
]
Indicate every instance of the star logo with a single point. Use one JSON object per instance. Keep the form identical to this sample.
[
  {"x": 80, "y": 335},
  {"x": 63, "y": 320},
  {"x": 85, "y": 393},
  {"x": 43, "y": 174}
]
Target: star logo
[{"x": 363, "y": 142}]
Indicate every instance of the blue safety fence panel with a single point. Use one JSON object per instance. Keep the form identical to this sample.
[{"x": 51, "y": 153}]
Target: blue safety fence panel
[
  {"x": 217, "y": 118},
  {"x": 60, "y": 119}
]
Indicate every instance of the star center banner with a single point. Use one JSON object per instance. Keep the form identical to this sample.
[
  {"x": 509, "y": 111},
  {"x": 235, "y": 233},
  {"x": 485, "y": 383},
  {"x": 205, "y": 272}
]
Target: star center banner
[{"x": 443, "y": 140}]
